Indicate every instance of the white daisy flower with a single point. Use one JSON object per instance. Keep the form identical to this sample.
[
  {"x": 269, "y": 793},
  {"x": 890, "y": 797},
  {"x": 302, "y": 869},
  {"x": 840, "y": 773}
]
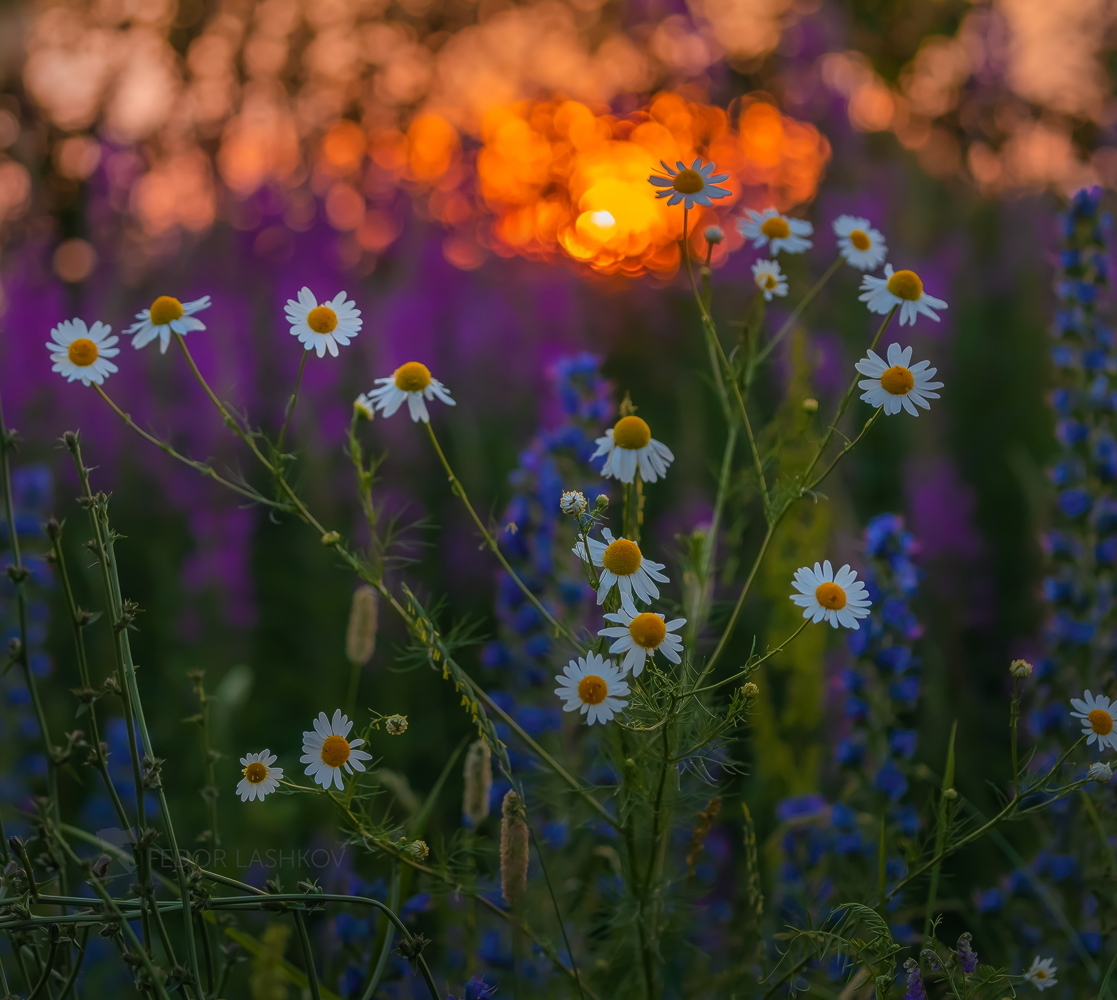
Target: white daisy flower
[
  {"x": 622, "y": 563},
  {"x": 593, "y": 686},
  {"x": 1099, "y": 719},
  {"x": 766, "y": 274},
  {"x": 769, "y": 226},
  {"x": 166, "y": 316},
  {"x": 326, "y": 750},
  {"x": 895, "y": 385},
  {"x": 1100, "y": 771},
  {"x": 1042, "y": 974},
  {"x": 364, "y": 407},
  {"x": 693, "y": 185},
  {"x": 81, "y": 353},
  {"x": 641, "y": 634},
  {"x": 260, "y": 778},
  {"x": 573, "y": 502},
  {"x": 899, "y": 288},
  {"x": 631, "y": 448},
  {"x": 839, "y": 598},
  {"x": 859, "y": 243},
  {"x": 411, "y": 382},
  {"x": 322, "y": 327}
]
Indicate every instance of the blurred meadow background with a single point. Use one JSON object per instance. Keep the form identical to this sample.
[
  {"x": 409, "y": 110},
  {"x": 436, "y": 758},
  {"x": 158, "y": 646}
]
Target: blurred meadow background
[{"x": 474, "y": 174}]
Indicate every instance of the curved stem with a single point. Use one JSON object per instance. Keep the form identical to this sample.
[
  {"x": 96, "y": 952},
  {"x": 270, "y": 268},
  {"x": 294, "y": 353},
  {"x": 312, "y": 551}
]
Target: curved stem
[
  {"x": 292, "y": 403},
  {"x": 491, "y": 542},
  {"x": 308, "y": 954},
  {"x": 752, "y": 665},
  {"x": 796, "y": 313}
]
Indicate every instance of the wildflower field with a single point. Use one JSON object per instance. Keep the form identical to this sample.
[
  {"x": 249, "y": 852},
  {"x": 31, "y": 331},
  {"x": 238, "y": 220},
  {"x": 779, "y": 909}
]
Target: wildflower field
[{"x": 558, "y": 501}]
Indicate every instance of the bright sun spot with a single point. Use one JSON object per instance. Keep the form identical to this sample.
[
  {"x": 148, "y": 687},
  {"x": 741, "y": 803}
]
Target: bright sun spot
[{"x": 603, "y": 219}]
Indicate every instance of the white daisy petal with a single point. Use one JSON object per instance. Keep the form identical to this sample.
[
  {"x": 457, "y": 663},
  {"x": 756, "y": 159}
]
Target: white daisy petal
[
  {"x": 592, "y": 684},
  {"x": 838, "y": 598}
]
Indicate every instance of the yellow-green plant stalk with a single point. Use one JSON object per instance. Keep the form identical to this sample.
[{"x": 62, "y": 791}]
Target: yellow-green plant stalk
[
  {"x": 513, "y": 850},
  {"x": 360, "y": 638},
  {"x": 478, "y": 775},
  {"x": 268, "y": 981}
]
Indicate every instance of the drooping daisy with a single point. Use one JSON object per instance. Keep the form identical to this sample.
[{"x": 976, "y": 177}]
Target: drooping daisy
[
  {"x": 640, "y": 634},
  {"x": 411, "y": 382},
  {"x": 895, "y": 385},
  {"x": 1099, "y": 719},
  {"x": 1042, "y": 974},
  {"x": 593, "y": 686},
  {"x": 166, "y": 316},
  {"x": 622, "y": 563},
  {"x": 770, "y": 226},
  {"x": 691, "y": 185},
  {"x": 1100, "y": 771},
  {"x": 326, "y": 750},
  {"x": 81, "y": 353},
  {"x": 859, "y": 243},
  {"x": 260, "y": 778},
  {"x": 364, "y": 407},
  {"x": 322, "y": 327},
  {"x": 766, "y": 274},
  {"x": 839, "y": 598},
  {"x": 899, "y": 288},
  {"x": 630, "y": 446}
]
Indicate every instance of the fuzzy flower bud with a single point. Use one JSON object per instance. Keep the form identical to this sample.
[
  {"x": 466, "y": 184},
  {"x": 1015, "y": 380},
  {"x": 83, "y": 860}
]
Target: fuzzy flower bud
[
  {"x": 396, "y": 725},
  {"x": 1020, "y": 669},
  {"x": 810, "y": 405},
  {"x": 1100, "y": 771},
  {"x": 601, "y": 503},
  {"x": 966, "y": 955},
  {"x": 478, "y": 775},
  {"x": 714, "y": 234},
  {"x": 360, "y": 637},
  {"x": 363, "y": 407},
  {"x": 418, "y": 850},
  {"x": 513, "y": 850},
  {"x": 572, "y": 502},
  {"x": 913, "y": 981},
  {"x": 751, "y": 692}
]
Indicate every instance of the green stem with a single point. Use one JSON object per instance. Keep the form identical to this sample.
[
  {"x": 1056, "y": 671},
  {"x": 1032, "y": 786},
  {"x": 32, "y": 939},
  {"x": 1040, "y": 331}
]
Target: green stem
[
  {"x": 457, "y": 488},
  {"x": 389, "y": 934},
  {"x": 796, "y": 313},
  {"x": 752, "y": 665},
  {"x": 1014, "y": 720},
  {"x": 558, "y": 911},
  {"x": 941, "y": 829},
  {"x": 291, "y": 404},
  {"x": 304, "y": 941}
]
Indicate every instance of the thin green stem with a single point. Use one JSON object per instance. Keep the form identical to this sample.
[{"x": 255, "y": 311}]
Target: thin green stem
[
  {"x": 491, "y": 542},
  {"x": 308, "y": 954},
  {"x": 389, "y": 934},
  {"x": 202, "y": 467},
  {"x": 850, "y": 445},
  {"x": 796, "y": 313},
  {"x": 291, "y": 404},
  {"x": 558, "y": 911},
  {"x": 753, "y": 664},
  {"x": 1014, "y": 720}
]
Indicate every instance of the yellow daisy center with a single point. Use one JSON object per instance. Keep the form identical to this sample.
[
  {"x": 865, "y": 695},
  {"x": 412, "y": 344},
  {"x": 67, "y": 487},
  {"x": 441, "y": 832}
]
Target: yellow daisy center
[
  {"x": 906, "y": 285},
  {"x": 335, "y": 751},
  {"x": 776, "y": 228},
  {"x": 1040, "y": 973},
  {"x": 830, "y": 596},
  {"x": 688, "y": 182},
  {"x": 631, "y": 432},
  {"x": 413, "y": 377},
  {"x": 647, "y": 630},
  {"x": 622, "y": 557},
  {"x": 82, "y": 352},
  {"x": 897, "y": 380},
  {"x": 1101, "y": 721},
  {"x": 592, "y": 689},
  {"x": 766, "y": 280},
  {"x": 164, "y": 309},
  {"x": 256, "y": 772},
  {"x": 322, "y": 319},
  {"x": 860, "y": 239}
]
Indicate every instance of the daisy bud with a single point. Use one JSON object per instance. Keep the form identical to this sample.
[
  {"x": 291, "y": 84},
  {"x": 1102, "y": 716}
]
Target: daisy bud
[
  {"x": 751, "y": 692},
  {"x": 418, "y": 850},
  {"x": 1100, "y": 771},
  {"x": 573, "y": 502},
  {"x": 396, "y": 725},
  {"x": 951, "y": 793},
  {"x": 331, "y": 538},
  {"x": 810, "y": 405},
  {"x": 478, "y": 775},
  {"x": 364, "y": 407},
  {"x": 714, "y": 234},
  {"x": 1020, "y": 669},
  {"x": 513, "y": 850},
  {"x": 601, "y": 503},
  {"x": 360, "y": 637}
]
